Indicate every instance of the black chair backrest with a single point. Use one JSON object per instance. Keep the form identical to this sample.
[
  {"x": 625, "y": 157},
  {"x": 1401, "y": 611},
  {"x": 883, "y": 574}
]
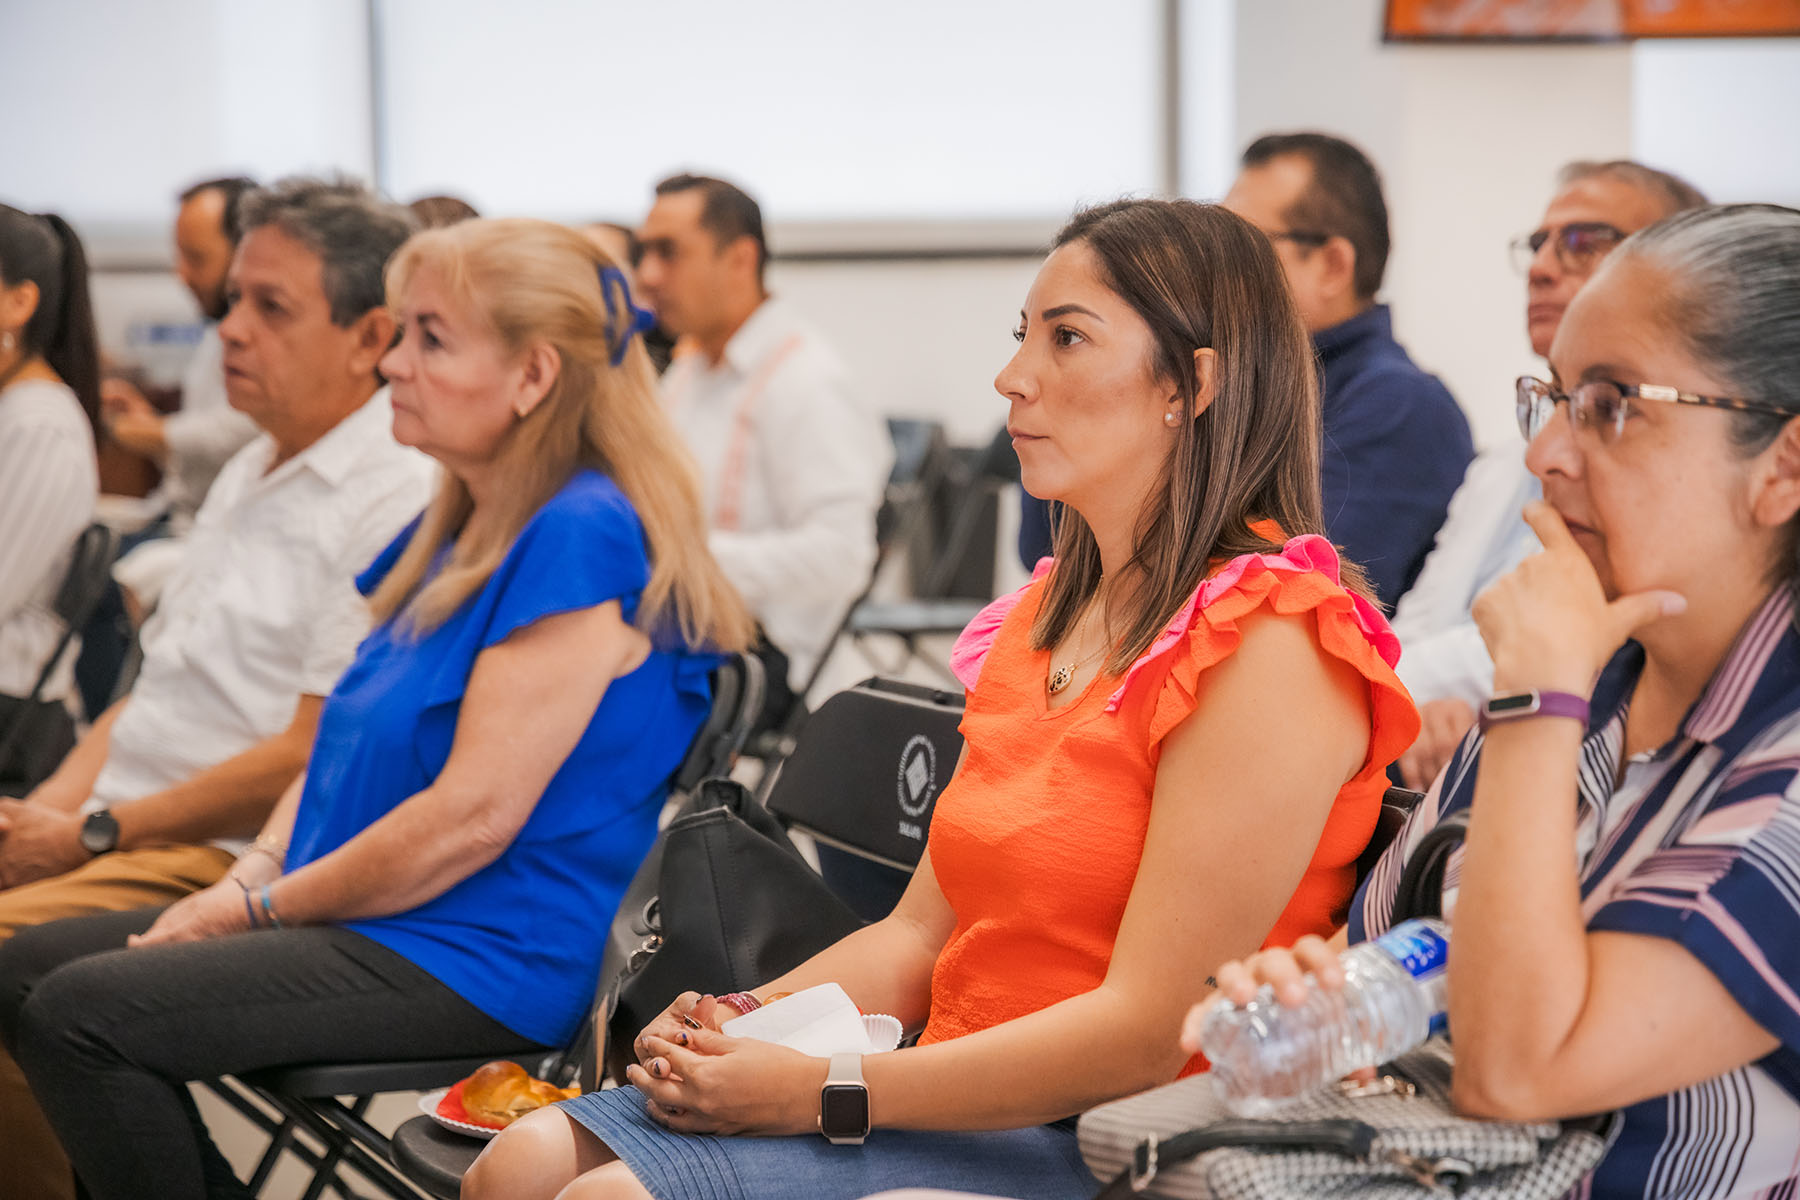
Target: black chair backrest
[
  {"x": 83, "y": 584},
  {"x": 867, "y": 771},
  {"x": 737, "y": 698},
  {"x": 1396, "y": 805},
  {"x": 90, "y": 570}
]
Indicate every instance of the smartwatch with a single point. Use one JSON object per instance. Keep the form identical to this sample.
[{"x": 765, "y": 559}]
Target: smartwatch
[
  {"x": 99, "y": 832},
  {"x": 1534, "y": 703},
  {"x": 844, "y": 1102}
]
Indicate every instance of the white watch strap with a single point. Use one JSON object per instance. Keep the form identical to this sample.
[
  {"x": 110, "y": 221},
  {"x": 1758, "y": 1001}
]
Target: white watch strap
[{"x": 844, "y": 1068}]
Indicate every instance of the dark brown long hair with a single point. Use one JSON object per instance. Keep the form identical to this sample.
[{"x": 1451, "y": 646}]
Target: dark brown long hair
[
  {"x": 1199, "y": 277},
  {"x": 46, "y": 251}
]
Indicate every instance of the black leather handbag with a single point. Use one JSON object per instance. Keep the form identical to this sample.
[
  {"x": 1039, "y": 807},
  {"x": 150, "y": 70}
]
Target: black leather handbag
[{"x": 735, "y": 905}]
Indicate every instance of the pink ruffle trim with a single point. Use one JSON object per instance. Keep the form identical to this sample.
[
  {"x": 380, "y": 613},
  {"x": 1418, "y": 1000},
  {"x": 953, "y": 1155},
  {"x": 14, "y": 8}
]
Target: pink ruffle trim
[{"x": 1307, "y": 554}]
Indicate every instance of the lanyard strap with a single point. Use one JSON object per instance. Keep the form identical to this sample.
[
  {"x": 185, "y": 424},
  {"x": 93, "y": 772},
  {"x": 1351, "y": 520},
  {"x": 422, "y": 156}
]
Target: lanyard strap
[{"x": 728, "y": 498}]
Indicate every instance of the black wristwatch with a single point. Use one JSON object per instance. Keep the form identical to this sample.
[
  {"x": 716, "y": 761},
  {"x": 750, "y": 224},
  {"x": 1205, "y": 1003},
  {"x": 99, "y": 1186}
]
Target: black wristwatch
[
  {"x": 844, "y": 1102},
  {"x": 100, "y": 832}
]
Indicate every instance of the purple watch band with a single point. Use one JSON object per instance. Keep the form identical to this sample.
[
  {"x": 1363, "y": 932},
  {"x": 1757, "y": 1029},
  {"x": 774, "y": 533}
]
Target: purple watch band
[{"x": 1519, "y": 705}]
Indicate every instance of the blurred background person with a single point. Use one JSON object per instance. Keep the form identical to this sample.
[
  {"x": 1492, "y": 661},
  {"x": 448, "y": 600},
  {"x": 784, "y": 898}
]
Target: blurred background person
[
  {"x": 1396, "y": 444},
  {"x": 793, "y": 459},
  {"x": 435, "y": 212},
  {"x": 191, "y": 444},
  {"x": 49, "y": 393},
  {"x": 1445, "y": 664}
]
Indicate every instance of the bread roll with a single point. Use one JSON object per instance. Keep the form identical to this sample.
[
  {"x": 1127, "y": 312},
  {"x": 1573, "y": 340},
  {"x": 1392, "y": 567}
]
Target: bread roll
[{"x": 501, "y": 1092}]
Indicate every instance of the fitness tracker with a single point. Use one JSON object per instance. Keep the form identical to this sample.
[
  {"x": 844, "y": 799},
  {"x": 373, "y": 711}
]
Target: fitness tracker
[{"x": 1534, "y": 703}]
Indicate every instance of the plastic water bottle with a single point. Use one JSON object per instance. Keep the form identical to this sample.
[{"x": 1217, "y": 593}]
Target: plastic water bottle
[{"x": 1393, "y": 1000}]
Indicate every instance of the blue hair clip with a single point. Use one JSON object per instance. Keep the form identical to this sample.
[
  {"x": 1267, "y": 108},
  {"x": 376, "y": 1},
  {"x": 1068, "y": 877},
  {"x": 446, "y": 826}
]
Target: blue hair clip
[{"x": 641, "y": 320}]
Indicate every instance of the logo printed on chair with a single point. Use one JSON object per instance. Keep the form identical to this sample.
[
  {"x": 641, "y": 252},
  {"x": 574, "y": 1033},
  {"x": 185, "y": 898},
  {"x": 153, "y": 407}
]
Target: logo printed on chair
[{"x": 916, "y": 783}]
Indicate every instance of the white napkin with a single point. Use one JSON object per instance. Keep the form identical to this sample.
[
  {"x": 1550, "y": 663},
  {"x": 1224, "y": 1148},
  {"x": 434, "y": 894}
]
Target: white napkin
[{"x": 820, "y": 1021}]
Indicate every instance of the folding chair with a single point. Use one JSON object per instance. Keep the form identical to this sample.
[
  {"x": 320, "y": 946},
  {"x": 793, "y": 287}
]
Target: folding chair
[
  {"x": 90, "y": 567},
  {"x": 307, "y": 1095},
  {"x": 953, "y": 580},
  {"x": 921, "y": 462},
  {"x": 863, "y": 781}
]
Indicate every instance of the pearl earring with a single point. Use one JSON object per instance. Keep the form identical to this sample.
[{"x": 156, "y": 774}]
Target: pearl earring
[
  {"x": 8, "y": 341},
  {"x": 1170, "y": 419}
]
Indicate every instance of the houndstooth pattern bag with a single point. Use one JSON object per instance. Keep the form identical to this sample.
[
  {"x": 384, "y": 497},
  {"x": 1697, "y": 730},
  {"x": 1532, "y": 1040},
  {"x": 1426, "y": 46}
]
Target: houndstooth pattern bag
[{"x": 1421, "y": 1146}]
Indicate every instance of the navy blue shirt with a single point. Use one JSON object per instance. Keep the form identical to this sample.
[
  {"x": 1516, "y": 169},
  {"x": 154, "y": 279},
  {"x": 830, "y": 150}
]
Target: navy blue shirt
[
  {"x": 1395, "y": 448},
  {"x": 521, "y": 938}
]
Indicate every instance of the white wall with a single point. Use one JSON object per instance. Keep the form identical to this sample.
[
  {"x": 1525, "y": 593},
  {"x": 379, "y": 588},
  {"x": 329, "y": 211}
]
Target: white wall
[
  {"x": 113, "y": 105},
  {"x": 1724, "y": 114}
]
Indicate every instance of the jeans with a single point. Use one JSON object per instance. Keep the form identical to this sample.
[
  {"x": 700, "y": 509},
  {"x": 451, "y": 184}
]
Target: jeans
[{"x": 109, "y": 1037}]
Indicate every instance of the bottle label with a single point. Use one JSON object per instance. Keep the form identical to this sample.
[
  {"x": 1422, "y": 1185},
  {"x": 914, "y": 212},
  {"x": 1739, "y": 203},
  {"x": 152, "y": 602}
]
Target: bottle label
[{"x": 1420, "y": 947}]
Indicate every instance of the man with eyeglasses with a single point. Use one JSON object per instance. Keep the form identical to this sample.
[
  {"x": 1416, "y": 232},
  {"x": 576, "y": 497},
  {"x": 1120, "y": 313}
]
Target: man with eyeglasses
[
  {"x": 1395, "y": 442},
  {"x": 1443, "y": 661}
]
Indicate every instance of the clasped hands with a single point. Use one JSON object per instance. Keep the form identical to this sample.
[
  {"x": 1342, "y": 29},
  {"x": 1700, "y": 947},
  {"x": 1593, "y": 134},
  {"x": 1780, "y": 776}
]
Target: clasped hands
[
  {"x": 37, "y": 841},
  {"x": 697, "y": 1080}
]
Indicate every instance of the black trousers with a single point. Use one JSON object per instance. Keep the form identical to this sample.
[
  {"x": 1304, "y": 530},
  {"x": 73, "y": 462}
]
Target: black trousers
[{"x": 110, "y": 1037}]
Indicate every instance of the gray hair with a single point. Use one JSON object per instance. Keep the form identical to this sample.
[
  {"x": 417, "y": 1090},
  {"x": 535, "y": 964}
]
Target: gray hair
[
  {"x": 1733, "y": 275},
  {"x": 1672, "y": 191},
  {"x": 352, "y": 230}
]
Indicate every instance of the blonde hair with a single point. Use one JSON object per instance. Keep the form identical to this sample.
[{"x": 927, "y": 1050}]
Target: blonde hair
[{"x": 531, "y": 282}]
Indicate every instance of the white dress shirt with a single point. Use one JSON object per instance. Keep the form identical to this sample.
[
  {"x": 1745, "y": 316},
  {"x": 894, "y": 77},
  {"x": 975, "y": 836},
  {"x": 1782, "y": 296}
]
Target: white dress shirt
[
  {"x": 48, "y": 482},
  {"x": 794, "y": 465},
  {"x": 1484, "y": 536},
  {"x": 264, "y": 607}
]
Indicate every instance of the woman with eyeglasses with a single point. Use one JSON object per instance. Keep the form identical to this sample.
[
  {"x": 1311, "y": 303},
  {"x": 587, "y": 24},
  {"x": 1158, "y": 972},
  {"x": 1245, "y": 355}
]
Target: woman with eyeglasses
[{"x": 1657, "y": 968}]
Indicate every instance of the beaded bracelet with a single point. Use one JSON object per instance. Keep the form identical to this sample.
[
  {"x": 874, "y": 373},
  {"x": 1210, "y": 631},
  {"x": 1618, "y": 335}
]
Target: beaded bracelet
[
  {"x": 249, "y": 909},
  {"x": 744, "y": 1002},
  {"x": 268, "y": 907}
]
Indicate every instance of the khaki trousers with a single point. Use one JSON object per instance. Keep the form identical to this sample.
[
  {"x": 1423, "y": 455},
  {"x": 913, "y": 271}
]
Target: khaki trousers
[{"x": 32, "y": 1164}]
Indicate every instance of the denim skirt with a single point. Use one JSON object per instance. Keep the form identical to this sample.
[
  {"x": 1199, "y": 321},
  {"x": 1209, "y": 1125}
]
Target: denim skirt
[{"x": 1040, "y": 1163}]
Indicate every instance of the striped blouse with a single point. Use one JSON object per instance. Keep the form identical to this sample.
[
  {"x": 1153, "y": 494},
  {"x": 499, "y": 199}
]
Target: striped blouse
[
  {"x": 48, "y": 482},
  {"x": 1700, "y": 844}
]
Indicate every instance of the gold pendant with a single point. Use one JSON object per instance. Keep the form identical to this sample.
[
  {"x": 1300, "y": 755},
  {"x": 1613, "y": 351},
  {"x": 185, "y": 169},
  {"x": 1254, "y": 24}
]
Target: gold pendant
[{"x": 1060, "y": 677}]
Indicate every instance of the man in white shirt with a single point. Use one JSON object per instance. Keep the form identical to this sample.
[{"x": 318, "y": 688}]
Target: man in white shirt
[
  {"x": 258, "y": 623},
  {"x": 793, "y": 461},
  {"x": 195, "y": 442},
  {"x": 1443, "y": 661}
]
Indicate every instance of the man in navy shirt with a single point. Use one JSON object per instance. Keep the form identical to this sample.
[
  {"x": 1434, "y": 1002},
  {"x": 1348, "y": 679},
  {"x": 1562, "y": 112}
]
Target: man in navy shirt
[{"x": 1395, "y": 443}]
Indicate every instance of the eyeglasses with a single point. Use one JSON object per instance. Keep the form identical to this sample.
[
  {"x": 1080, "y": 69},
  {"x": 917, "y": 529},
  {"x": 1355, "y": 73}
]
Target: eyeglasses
[
  {"x": 1602, "y": 406},
  {"x": 1300, "y": 237},
  {"x": 1579, "y": 245}
]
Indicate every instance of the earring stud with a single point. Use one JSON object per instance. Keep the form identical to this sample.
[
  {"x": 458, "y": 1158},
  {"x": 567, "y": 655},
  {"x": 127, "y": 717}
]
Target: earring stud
[{"x": 1170, "y": 419}]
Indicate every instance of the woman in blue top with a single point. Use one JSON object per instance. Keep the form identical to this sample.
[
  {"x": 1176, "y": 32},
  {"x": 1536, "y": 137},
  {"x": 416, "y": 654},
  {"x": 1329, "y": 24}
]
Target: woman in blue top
[{"x": 488, "y": 773}]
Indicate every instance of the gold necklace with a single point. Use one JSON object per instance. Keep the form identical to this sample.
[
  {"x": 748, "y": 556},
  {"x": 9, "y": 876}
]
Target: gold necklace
[{"x": 1061, "y": 677}]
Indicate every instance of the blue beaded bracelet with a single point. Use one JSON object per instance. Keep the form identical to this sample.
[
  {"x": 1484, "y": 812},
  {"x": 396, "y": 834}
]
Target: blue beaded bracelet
[{"x": 267, "y": 907}]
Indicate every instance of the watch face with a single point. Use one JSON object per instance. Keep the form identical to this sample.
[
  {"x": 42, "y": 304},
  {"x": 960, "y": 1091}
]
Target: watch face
[
  {"x": 844, "y": 1110},
  {"x": 99, "y": 832}
]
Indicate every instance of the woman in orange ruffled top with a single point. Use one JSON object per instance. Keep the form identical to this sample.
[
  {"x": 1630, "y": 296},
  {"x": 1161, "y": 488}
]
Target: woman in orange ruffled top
[{"x": 1176, "y": 744}]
